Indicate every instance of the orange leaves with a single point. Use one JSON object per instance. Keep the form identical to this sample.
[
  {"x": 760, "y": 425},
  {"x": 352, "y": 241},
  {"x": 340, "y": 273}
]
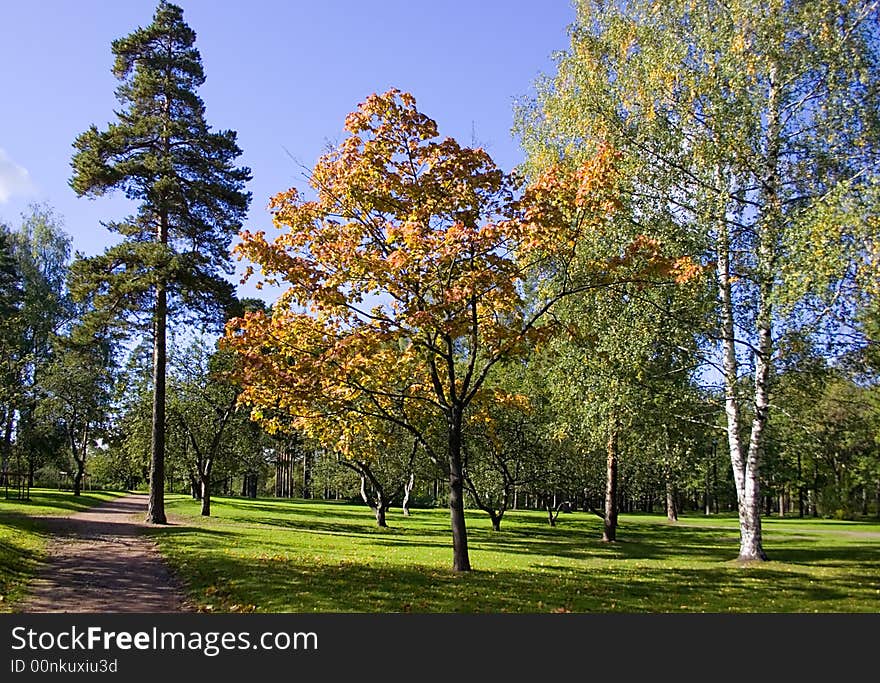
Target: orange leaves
[
  {"x": 596, "y": 182},
  {"x": 685, "y": 270},
  {"x": 562, "y": 203},
  {"x": 411, "y": 266}
]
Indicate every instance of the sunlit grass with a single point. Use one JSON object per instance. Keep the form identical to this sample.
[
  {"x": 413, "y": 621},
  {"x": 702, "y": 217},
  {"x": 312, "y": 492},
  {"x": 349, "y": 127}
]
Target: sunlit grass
[{"x": 303, "y": 556}]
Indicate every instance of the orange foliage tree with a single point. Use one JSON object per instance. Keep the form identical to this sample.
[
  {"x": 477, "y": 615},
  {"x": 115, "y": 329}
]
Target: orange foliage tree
[{"x": 408, "y": 277}]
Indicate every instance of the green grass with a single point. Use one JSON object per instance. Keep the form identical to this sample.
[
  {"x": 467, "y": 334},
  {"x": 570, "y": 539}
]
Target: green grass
[
  {"x": 302, "y": 556},
  {"x": 23, "y": 540}
]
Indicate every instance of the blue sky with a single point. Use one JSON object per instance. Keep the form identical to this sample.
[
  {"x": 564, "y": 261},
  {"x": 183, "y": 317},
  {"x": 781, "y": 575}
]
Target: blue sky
[{"x": 282, "y": 74}]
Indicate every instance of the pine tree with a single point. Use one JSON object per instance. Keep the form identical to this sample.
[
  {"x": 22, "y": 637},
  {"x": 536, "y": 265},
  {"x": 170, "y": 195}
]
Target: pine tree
[{"x": 161, "y": 153}]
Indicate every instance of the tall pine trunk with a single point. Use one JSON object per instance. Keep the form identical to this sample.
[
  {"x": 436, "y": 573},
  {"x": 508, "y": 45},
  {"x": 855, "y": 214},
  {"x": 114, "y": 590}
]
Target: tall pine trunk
[
  {"x": 460, "y": 558},
  {"x": 307, "y": 476},
  {"x": 156, "y": 507},
  {"x": 6, "y": 447}
]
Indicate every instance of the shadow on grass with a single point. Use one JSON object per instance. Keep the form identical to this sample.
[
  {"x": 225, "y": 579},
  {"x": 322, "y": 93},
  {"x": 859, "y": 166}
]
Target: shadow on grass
[
  {"x": 291, "y": 506},
  {"x": 176, "y": 529},
  {"x": 285, "y": 585},
  {"x": 867, "y": 557},
  {"x": 275, "y": 561},
  {"x": 60, "y": 500}
]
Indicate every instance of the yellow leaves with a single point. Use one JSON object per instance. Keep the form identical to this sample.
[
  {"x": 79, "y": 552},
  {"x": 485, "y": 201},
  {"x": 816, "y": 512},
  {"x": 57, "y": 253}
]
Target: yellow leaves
[
  {"x": 686, "y": 269},
  {"x": 561, "y": 201},
  {"x": 411, "y": 262}
]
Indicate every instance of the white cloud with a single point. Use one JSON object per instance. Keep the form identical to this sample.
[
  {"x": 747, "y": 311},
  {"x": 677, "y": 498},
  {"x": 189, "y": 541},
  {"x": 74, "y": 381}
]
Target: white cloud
[{"x": 14, "y": 179}]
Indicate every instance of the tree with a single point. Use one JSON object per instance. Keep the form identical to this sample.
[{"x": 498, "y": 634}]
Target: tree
[
  {"x": 626, "y": 351},
  {"x": 506, "y": 443},
  {"x": 822, "y": 445},
  {"x": 77, "y": 388},
  {"x": 10, "y": 304},
  {"x": 10, "y": 277},
  {"x": 161, "y": 153},
  {"x": 203, "y": 402},
  {"x": 384, "y": 460},
  {"x": 752, "y": 127},
  {"x": 411, "y": 266},
  {"x": 41, "y": 251}
]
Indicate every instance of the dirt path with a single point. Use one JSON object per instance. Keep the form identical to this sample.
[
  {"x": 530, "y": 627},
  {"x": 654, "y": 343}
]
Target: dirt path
[{"x": 100, "y": 561}]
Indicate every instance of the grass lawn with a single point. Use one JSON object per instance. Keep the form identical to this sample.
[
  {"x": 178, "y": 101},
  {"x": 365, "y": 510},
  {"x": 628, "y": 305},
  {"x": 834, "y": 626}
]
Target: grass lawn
[
  {"x": 302, "y": 556},
  {"x": 22, "y": 540}
]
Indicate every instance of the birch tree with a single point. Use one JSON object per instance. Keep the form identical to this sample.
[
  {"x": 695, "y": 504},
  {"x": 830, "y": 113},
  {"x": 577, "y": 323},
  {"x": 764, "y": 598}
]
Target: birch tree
[{"x": 751, "y": 126}]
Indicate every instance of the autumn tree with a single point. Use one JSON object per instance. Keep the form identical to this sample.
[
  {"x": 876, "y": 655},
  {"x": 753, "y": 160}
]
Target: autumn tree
[
  {"x": 751, "y": 127},
  {"x": 405, "y": 280},
  {"x": 161, "y": 153}
]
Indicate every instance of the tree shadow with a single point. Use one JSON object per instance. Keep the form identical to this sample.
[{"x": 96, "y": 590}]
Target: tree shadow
[
  {"x": 287, "y": 585},
  {"x": 60, "y": 500}
]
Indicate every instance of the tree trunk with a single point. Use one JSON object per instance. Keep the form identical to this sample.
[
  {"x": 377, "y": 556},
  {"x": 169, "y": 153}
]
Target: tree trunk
[
  {"x": 206, "y": 499},
  {"x": 707, "y": 507},
  {"x": 460, "y": 556},
  {"x": 380, "y": 510},
  {"x": 77, "y": 479},
  {"x": 751, "y": 545},
  {"x": 307, "y": 476},
  {"x": 407, "y": 490},
  {"x": 877, "y": 501},
  {"x": 7, "y": 447},
  {"x": 496, "y": 520},
  {"x": 378, "y": 504},
  {"x": 609, "y": 532},
  {"x": 156, "y": 507},
  {"x": 745, "y": 473},
  {"x": 671, "y": 506},
  {"x": 800, "y": 488},
  {"x": 205, "y": 490}
]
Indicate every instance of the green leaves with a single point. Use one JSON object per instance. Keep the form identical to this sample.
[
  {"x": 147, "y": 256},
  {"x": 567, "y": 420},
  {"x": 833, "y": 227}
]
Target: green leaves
[{"x": 162, "y": 153}]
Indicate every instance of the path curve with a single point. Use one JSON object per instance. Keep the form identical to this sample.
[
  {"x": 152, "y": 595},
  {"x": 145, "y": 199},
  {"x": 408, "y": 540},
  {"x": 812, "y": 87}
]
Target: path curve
[{"x": 100, "y": 561}]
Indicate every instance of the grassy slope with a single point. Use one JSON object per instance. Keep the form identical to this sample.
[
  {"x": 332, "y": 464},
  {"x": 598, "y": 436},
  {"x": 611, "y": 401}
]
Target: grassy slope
[
  {"x": 301, "y": 556},
  {"x": 23, "y": 543}
]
